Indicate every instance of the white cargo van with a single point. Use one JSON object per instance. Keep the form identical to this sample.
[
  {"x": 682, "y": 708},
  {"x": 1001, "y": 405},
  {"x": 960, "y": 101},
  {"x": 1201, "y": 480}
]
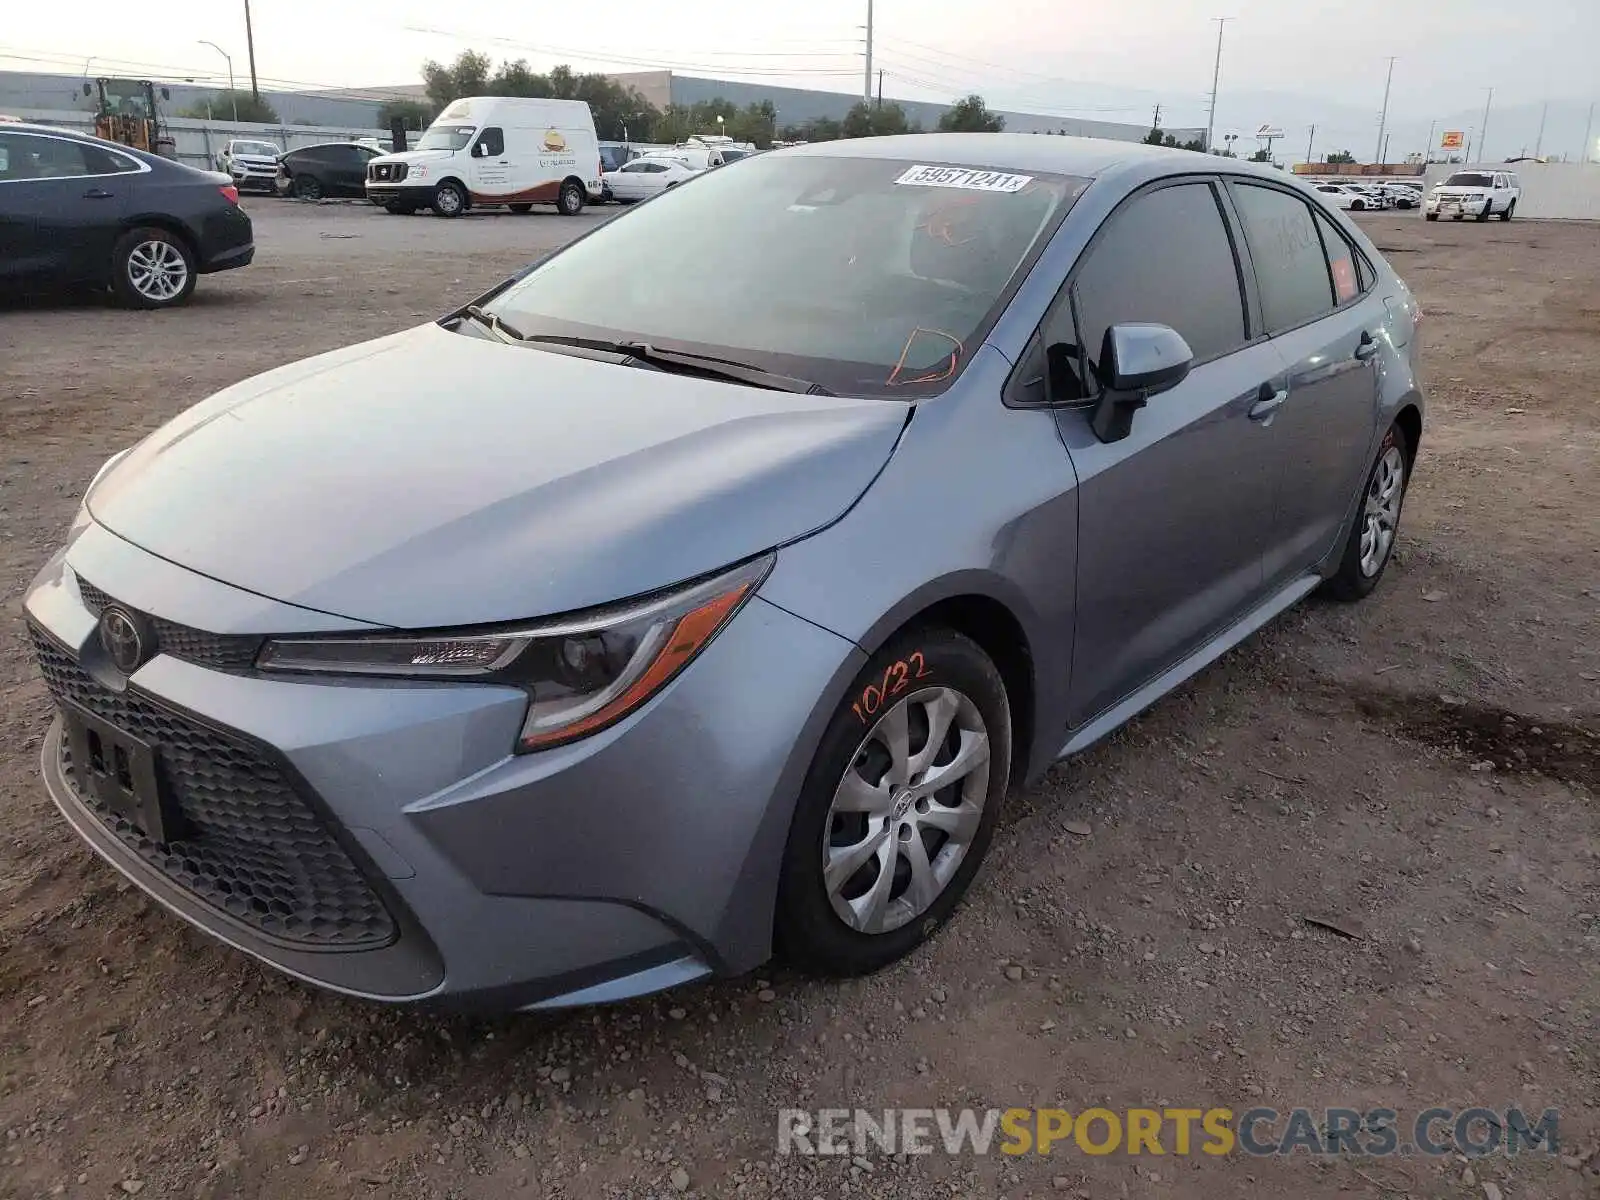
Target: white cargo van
[{"x": 484, "y": 151}]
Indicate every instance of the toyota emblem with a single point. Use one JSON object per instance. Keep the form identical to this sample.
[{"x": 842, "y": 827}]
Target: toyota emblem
[{"x": 121, "y": 639}]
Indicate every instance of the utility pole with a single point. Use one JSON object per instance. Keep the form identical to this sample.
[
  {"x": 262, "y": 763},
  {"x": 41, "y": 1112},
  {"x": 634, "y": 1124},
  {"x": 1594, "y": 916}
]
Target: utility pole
[
  {"x": 1538, "y": 143},
  {"x": 1483, "y": 130},
  {"x": 1384, "y": 160},
  {"x": 1588, "y": 128},
  {"x": 1427, "y": 152},
  {"x": 1216, "y": 75},
  {"x": 1155, "y": 121},
  {"x": 250, "y": 43},
  {"x": 1310, "y": 141},
  {"x": 880, "y": 88},
  {"x": 866, "y": 93},
  {"x": 1383, "y": 118}
]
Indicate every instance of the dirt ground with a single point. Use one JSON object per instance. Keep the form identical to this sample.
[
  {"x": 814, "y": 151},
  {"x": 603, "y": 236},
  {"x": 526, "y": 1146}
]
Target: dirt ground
[{"x": 1422, "y": 767}]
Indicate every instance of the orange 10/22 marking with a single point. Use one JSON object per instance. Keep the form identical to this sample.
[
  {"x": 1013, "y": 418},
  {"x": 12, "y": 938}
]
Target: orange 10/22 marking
[{"x": 895, "y": 678}]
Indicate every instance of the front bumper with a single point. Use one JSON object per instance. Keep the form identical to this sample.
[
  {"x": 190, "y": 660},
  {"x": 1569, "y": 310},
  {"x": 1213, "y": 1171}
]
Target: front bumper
[
  {"x": 1467, "y": 207},
  {"x": 257, "y": 177},
  {"x": 639, "y": 858}
]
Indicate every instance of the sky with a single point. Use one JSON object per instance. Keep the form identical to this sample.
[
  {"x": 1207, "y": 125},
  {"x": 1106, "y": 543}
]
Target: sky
[{"x": 1283, "y": 63}]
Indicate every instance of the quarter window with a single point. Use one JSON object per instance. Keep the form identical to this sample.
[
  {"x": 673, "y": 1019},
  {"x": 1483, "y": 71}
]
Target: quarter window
[
  {"x": 1165, "y": 257},
  {"x": 1291, "y": 269},
  {"x": 1350, "y": 275}
]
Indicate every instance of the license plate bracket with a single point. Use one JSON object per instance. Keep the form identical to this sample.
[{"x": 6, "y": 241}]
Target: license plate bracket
[{"x": 120, "y": 771}]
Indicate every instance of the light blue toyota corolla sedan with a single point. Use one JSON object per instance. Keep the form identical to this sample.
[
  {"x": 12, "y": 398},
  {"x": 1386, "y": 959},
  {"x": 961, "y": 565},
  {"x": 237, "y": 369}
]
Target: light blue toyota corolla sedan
[{"x": 699, "y": 593}]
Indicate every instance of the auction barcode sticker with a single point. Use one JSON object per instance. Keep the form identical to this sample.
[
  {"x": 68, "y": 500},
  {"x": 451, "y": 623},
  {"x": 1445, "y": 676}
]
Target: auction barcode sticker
[{"x": 965, "y": 177}]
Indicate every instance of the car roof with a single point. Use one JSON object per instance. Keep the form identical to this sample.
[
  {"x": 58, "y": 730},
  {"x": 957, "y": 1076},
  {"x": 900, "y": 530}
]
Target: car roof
[{"x": 1084, "y": 157}]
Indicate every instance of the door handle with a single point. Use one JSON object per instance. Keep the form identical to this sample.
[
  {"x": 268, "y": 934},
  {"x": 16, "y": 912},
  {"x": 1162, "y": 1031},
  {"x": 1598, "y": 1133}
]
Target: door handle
[
  {"x": 1366, "y": 348},
  {"x": 1268, "y": 401},
  {"x": 99, "y": 194}
]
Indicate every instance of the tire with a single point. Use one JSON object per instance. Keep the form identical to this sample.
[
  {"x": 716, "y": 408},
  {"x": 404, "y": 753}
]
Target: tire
[
  {"x": 519, "y": 209},
  {"x": 929, "y": 673},
  {"x": 569, "y": 201},
  {"x": 152, "y": 268},
  {"x": 449, "y": 200},
  {"x": 1488, "y": 211},
  {"x": 1359, "y": 206},
  {"x": 1509, "y": 212},
  {"x": 400, "y": 208},
  {"x": 1382, "y": 498},
  {"x": 1431, "y": 216},
  {"x": 306, "y": 187}
]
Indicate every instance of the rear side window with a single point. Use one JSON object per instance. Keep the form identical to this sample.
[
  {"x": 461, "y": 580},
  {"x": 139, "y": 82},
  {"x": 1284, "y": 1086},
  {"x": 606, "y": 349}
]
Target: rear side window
[
  {"x": 1291, "y": 270},
  {"x": 1165, "y": 257}
]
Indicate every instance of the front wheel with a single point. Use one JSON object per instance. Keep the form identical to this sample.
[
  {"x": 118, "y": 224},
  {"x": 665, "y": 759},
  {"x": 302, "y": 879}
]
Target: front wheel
[
  {"x": 898, "y": 808},
  {"x": 1359, "y": 206},
  {"x": 569, "y": 201},
  {"x": 449, "y": 200},
  {"x": 307, "y": 187},
  {"x": 400, "y": 208},
  {"x": 1431, "y": 216},
  {"x": 1371, "y": 541}
]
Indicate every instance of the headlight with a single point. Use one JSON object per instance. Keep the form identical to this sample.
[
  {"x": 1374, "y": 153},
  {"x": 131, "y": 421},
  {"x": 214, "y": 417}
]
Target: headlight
[{"x": 581, "y": 673}]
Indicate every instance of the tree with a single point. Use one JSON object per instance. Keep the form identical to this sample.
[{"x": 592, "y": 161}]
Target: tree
[
  {"x": 467, "y": 76},
  {"x": 971, "y": 115},
  {"x": 221, "y": 107},
  {"x": 1261, "y": 155},
  {"x": 415, "y": 113},
  {"x": 1158, "y": 137},
  {"x": 818, "y": 129},
  {"x": 875, "y": 120},
  {"x": 1341, "y": 156}
]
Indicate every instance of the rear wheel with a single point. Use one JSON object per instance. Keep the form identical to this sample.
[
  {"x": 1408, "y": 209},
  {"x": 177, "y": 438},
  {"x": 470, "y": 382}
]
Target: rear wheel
[
  {"x": 1377, "y": 523},
  {"x": 569, "y": 202},
  {"x": 1509, "y": 212},
  {"x": 151, "y": 268},
  {"x": 1431, "y": 216},
  {"x": 307, "y": 187},
  {"x": 520, "y": 208},
  {"x": 449, "y": 200},
  {"x": 898, "y": 808}
]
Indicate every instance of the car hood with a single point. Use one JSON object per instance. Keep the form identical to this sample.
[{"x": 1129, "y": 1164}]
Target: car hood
[{"x": 432, "y": 478}]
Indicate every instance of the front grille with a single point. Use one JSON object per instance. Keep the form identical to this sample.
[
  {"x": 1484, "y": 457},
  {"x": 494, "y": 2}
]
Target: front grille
[
  {"x": 386, "y": 172},
  {"x": 220, "y": 651},
  {"x": 248, "y": 844}
]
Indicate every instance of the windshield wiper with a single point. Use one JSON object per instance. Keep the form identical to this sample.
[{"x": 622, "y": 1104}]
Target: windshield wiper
[
  {"x": 497, "y": 326},
  {"x": 682, "y": 360}
]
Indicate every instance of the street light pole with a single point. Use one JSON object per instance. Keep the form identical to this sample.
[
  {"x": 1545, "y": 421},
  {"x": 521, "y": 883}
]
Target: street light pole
[
  {"x": 233, "y": 92},
  {"x": 1538, "y": 145},
  {"x": 1216, "y": 76},
  {"x": 250, "y": 43},
  {"x": 866, "y": 88},
  {"x": 1483, "y": 130},
  {"x": 1383, "y": 118}
]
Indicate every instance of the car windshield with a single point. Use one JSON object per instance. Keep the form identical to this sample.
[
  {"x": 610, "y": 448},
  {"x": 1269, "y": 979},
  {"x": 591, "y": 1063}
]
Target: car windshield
[
  {"x": 263, "y": 149},
  {"x": 729, "y": 156},
  {"x": 446, "y": 137},
  {"x": 1469, "y": 179},
  {"x": 874, "y": 276}
]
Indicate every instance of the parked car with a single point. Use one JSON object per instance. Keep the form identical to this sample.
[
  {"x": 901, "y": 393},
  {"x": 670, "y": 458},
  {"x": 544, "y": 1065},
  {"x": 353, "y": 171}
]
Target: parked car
[
  {"x": 532, "y": 657},
  {"x": 611, "y": 159},
  {"x": 1340, "y": 196},
  {"x": 486, "y": 151},
  {"x": 251, "y": 164},
  {"x": 1479, "y": 194},
  {"x": 326, "y": 169},
  {"x": 1403, "y": 195},
  {"x": 76, "y": 211},
  {"x": 646, "y": 176}
]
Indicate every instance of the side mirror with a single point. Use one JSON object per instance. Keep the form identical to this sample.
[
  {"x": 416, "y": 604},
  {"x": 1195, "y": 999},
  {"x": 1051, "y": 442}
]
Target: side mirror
[{"x": 1136, "y": 362}]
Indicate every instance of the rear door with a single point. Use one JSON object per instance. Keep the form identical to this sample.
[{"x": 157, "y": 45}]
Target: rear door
[
  {"x": 1173, "y": 519},
  {"x": 1318, "y": 303},
  {"x": 347, "y": 169},
  {"x": 69, "y": 197}
]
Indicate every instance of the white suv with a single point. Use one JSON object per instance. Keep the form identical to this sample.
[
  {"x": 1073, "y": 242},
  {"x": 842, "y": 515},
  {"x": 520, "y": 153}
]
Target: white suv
[{"x": 1480, "y": 194}]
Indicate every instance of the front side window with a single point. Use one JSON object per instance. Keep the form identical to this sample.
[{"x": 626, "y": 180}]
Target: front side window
[
  {"x": 28, "y": 157},
  {"x": 491, "y": 143},
  {"x": 1290, "y": 268},
  {"x": 1165, "y": 257},
  {"x": 876, "y": 277}
]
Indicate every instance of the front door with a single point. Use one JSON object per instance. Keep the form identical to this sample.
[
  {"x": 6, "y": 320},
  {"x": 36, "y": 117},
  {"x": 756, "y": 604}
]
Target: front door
[
  {"x": 62, "y": 209},
  {"x": 1173, "y": 519},
  {"x": 1318, "y": 302},
  {"x": 491, "y": 169}
]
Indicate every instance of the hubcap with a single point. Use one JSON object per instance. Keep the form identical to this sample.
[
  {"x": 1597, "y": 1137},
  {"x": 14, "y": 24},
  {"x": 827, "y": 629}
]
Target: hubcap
[
  {"x": 1381, "y": 512},
  {"x": 449, "y": 200},
  {"x": 907, "y": 810},
  {"x": 157, "y": 270}
]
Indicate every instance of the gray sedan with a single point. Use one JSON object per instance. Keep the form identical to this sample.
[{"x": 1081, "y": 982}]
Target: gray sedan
[{"x": 625, "y": 627}]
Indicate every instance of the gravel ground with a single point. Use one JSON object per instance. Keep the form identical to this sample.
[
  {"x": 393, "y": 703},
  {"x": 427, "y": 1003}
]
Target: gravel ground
[{"x": 1421, "y": 769}]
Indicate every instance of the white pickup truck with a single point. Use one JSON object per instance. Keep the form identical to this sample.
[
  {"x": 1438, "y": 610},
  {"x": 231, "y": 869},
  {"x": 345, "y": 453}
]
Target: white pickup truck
[{"x": 1480, "y": 194}]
